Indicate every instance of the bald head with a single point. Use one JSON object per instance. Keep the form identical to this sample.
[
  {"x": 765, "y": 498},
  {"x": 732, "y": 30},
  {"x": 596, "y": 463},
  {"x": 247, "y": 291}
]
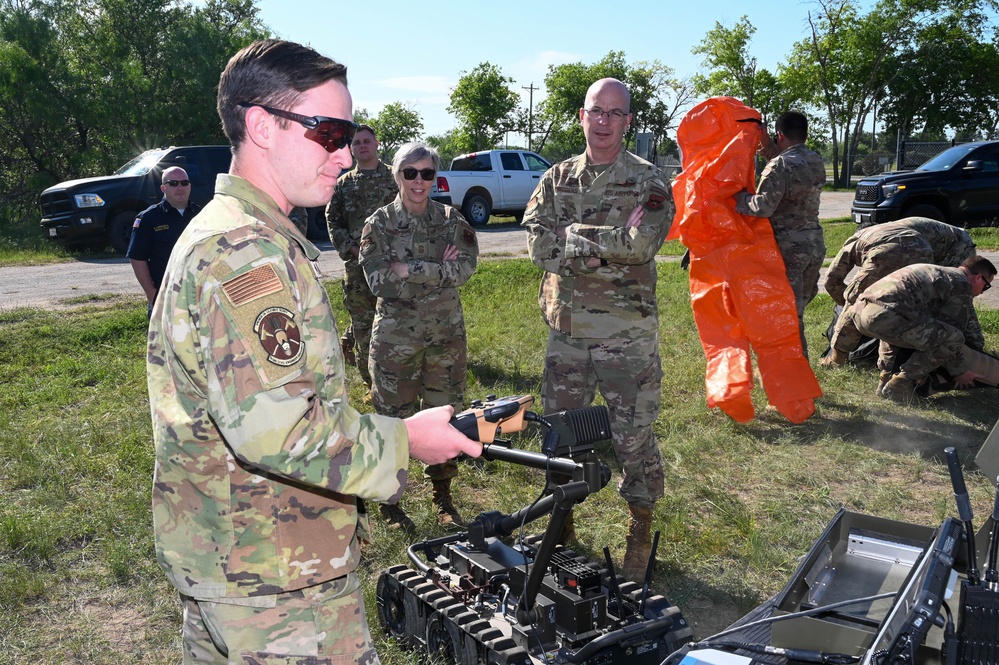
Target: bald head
[{"x": 605, "y": 117}]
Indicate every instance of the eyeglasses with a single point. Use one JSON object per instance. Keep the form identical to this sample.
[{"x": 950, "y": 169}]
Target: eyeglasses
[
  {"x": 988, "y": 285},
  {"x": 426, "y": 174},
  {"x": 596, "y": 113},
  {"x": 331, "y": 133},
  {"x": 177, "y": 183}
]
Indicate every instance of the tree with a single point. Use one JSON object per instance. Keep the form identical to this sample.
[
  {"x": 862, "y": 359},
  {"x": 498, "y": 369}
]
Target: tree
[
  {"x": 395, "y": 125},
  {"x": 484, "y": 104},
  {"x": 854, "y": 58},
  {"x": 87, "y": 84},
  {"x": 731, "y": 70}
]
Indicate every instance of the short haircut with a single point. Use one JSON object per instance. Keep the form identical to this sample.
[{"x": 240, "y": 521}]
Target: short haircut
[
  {"x": 274, "y": 73},
  {"x": 164, "y": 177},
  {"x": 793, "y": 125},
  {"x": 367, "y": 128},
  {"x": 979, "y": 265},
  {"x": 411, "y": 153}
]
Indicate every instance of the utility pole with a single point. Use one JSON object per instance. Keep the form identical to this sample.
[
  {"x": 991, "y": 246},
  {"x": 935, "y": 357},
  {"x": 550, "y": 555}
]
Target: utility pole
[{"x": 530, "y": 112}]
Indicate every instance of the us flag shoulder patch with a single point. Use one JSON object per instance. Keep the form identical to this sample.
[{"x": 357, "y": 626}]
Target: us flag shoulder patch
[{"x": 251, "y": 285}]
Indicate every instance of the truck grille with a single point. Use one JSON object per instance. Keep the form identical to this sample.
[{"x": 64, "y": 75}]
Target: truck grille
[
  {"x": 867, "y": 193},
  {"x": 55, "y": 203}
]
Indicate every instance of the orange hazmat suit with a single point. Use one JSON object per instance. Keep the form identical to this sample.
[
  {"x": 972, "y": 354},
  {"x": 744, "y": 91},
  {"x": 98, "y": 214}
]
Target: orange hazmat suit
[{"x": 738, "y": 287}]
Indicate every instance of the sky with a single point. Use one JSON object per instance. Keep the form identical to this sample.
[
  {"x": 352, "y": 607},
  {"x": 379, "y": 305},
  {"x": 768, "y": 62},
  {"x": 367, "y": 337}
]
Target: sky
[{"x": 415, "y": 52}]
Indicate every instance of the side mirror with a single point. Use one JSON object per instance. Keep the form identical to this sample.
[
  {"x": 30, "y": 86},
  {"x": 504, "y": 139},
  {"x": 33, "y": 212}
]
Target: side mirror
[{"x": 974, "y": 165}]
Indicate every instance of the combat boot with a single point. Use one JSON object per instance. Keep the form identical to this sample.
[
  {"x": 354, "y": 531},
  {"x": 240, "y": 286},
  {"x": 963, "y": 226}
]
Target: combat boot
[
  {"x": 900, "y": 389},
  {"x": 639, "y": 543},
  {"x": 883, "y": 377},
  {"x": 396, "y": 517},
  {"x": 347, "y": 348},
  {"x": 568, "y": 536},
  {"x": 836, "y": 358},
  {"x": 446, "y": 512}
]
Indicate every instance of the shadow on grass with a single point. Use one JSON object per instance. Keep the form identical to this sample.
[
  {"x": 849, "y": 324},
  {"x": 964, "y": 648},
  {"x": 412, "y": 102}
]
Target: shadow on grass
[{"x": 918, "y": 429}]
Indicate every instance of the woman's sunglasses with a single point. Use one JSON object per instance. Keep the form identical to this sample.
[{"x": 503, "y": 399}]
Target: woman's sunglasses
[
  {"x": 426, "y": 174},
  {"x": 331, "y": 133}
]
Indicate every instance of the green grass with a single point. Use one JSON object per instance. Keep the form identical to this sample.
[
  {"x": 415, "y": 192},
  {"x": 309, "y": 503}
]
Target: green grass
[{"x": 79, "y": 578}]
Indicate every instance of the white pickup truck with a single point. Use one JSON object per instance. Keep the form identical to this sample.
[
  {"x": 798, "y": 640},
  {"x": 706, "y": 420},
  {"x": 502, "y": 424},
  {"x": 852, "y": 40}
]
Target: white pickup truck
[{"x": 481, "y": 183}]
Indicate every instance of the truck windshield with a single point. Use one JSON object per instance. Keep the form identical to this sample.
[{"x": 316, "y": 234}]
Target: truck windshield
[
  {"x": 142, "y": 164},
  {"x": 947, "y": 158}
]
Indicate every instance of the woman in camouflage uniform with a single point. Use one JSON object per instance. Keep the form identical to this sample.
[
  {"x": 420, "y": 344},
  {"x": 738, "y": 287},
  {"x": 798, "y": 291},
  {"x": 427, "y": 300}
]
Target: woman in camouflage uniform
[{"x": 415, "y": 254}]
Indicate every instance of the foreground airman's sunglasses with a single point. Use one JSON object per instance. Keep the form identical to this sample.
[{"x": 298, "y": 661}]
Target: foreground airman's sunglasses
[{"x": 331, "y": 133}]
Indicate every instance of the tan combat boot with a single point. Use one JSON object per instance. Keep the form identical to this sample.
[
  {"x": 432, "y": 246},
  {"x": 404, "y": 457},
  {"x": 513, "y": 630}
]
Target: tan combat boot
[
  {"x": 884, "y": 376},
  {"x": 639, "y": 549},
  {"x": 900, "y": 389},
  {"x": 568, "y": 537},
  {"x": 446, "y": 512},
  {"x": 396, "y": 517},
  {"x": 347, "y": 348},
  {"x": 836, "y": 358}
]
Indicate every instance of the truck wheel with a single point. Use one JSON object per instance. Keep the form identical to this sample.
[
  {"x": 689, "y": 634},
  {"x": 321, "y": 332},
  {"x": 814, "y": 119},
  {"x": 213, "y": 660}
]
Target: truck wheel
[
  {"x": 318, "y": 231},
  {"x": 925, "y": 210},
  {"x": 446, "y": 643},
  {"x": 476, "y": 210},
  {"x": 120, "y": 230}
]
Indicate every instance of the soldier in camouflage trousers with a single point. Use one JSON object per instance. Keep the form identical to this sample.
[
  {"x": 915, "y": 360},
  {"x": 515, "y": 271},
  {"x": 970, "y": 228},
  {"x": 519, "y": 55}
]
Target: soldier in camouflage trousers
[
  {"x": 788, "y": 194},
  {"x": 415, "y": 253},
  {"x": 594, "y": 226},
  {"x": 879, "y": 250},
  {"x": 260, "y": 458},
  {"x": 929, "y": 310},
  {"x": 359, "y": 192}
]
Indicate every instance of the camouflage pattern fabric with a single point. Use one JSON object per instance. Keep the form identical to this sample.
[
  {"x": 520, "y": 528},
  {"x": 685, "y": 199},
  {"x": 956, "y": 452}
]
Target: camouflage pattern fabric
[
  {"x": 922, "y": 307},
  {"x": 878, "y": 250},
  {"x": 358, "y": 194},
  {"x": 629, "y": 373},
  {"x": 788, "y": 194},
  {"x": 259, "y": 456},
  {"x": 604, "y": 319},
  {"x": 318, "y": 625},
  {"x": 418, "y": 347}
]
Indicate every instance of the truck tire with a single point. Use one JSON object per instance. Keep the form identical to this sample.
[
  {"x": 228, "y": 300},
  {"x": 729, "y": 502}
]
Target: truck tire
[
  {"x": 925, "y": 210},
  {"x": 120, "y": 230},
  {"x": 476, "y": 210}
]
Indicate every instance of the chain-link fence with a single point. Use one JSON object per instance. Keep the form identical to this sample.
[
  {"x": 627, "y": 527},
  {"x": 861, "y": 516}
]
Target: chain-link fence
[{"x": 913, "y": 153}]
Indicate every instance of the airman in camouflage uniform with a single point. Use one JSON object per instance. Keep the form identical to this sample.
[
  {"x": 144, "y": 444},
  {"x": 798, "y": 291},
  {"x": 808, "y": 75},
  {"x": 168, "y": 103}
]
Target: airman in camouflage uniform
[
  {"x": 259, "y": 456},
  {"x": 879, "y": 250},
  {"x": 928, "y": 309},
  {"x": 359, "y": 192},
  {"x": 418, "y": 347},
  {"x": 788, "y": 194},
  {"x": 594, "y": 226}
]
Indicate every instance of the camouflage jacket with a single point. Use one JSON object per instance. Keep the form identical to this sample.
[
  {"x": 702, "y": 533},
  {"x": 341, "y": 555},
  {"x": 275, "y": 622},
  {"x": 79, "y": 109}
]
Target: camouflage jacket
[
  {"x": 894, "y": 245},
  {"x": 789, "y": 191},
  {"x": 358, "y": 194},
  {"x": 923, "y": 289},
  {"x": 618, "y": 297},
  {"x": 392, "y": 234},
  {"x": 258, "y": 454}
]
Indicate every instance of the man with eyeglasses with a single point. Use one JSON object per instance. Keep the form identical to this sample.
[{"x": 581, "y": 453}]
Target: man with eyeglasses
[
  {"x": 594, "y": 226},
  {"x": 156, "y": 230},
  {"x": 359, "y": 193},
  {"x": 788, "y": 193},
  {"x": 260, "y": 459},
  {"x": 925, "y": 318}
]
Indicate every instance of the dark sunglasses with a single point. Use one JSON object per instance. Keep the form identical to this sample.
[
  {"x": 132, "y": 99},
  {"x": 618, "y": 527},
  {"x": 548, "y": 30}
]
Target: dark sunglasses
[
  {"x": 988, "y": 285},
  {"x": 177, "y": 183},
  {"x": 331, "y": 133},
  {"x": 426, "y": 174}
]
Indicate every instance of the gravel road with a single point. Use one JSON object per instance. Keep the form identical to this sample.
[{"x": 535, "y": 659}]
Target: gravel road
[{"x": 58, "y": 286}]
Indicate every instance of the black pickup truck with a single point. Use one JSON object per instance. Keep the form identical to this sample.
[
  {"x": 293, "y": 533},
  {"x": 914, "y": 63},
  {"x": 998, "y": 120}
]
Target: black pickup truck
[
  {"x": 959, "y": 186},
  {"x": 97, "y": 212}
]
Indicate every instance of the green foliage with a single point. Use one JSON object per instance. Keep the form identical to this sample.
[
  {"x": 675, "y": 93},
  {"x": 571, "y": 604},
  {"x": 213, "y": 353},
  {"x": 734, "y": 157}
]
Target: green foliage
[
  {"x": 85, "y": 85},
  {"x": 484, "y": 104},
  {"x": 397, "y": 124}
]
